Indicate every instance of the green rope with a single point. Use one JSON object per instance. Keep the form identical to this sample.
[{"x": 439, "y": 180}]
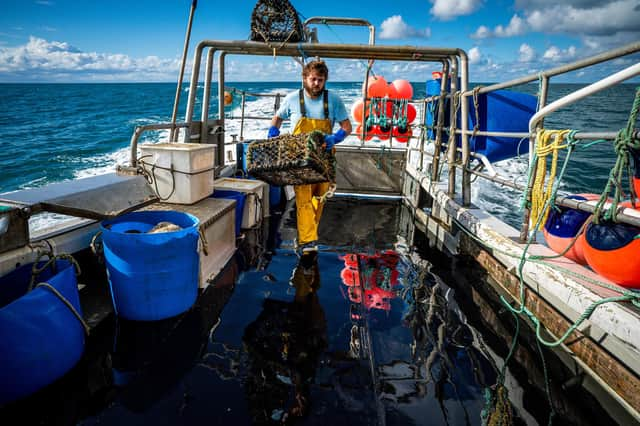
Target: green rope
[
  {"x": 623, "y": 144},
  {"x": 552, "y": 414}
]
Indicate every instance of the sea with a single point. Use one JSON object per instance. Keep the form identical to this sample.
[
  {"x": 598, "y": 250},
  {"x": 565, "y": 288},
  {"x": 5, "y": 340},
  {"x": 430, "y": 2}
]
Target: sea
[
  {"x": 57, "y": 132},
  {"x": 279, "y": 340}
]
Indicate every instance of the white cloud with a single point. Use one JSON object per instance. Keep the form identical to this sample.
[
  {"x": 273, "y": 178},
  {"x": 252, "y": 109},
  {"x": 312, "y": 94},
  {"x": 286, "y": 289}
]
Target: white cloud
[
  {"x": 394, "y": 27},
  {"x": 482, "y": 32},
  {"x": 578, "y": 4},
  {"x": 604, "y": 18},
  {"x": 449, "y": 9},
  {"x": 555, "y": 54},
  {"x": 474, "y": 55},
  {"x": 60, "y": 60},
  {"x": 526, "y": 53},
  {"x": 581, "y": 18},
  {"x": 516, "y": 27}
]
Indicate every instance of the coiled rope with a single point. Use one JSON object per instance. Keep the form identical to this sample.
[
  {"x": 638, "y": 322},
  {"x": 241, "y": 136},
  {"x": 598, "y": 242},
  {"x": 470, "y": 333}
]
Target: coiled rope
[{"x": 623, "y": 145}]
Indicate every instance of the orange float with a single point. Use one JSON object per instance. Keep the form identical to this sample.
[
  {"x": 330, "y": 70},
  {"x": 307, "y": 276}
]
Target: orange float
[
  {"x": 356, "y": 111},
  {"x": 377, "y": 87},
  {"x": 613, "y": 251},
  {"x": 392, "y": 93},
  {"x": 228, "y": 98},
  {"x": 402, "y": 135},
  {"x": 563, "y": 225},
  {"x": 636, "y": 185},
  {"x": 411, "y": 113},
  {"x": 403, "y": 88},
  {"x": 358, "y": 133}
]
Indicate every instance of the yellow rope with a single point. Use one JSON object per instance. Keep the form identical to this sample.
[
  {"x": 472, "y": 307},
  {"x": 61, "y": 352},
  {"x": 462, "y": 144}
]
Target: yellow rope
[{"x": 547, "y": 142}]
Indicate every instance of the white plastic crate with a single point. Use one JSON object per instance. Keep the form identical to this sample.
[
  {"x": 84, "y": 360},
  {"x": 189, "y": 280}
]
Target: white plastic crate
[
  {"x": 182, "y": 173},
  {"x": 256, "y": 205}
]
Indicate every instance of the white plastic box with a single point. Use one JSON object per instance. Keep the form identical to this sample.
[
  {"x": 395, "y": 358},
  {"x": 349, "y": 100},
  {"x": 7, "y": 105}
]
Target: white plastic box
[
  {"x": 182, "y": 173},
  {"x": 256, "y": 205}
]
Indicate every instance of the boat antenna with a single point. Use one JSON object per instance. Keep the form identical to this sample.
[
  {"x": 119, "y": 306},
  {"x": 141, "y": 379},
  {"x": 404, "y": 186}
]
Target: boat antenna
[{"x": 172, "y": 135}]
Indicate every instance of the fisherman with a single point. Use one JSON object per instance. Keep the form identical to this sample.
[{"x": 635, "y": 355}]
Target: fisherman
[{"x": 312, "y": 108}]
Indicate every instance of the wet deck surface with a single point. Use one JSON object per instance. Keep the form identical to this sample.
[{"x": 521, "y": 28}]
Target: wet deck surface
[{"x": 367, "y": 332}]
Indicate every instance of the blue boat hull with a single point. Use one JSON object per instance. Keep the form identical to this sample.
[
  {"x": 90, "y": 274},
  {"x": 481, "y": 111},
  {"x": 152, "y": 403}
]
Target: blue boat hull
[{"x": 41, "y": 338}]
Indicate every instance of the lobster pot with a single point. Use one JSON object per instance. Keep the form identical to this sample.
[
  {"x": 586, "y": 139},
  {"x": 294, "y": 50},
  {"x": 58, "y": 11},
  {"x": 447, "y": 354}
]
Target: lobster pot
[
  {"x": 152, "y": 276},
  {"x": 42, "y": 339},
  {"x": 291, "y": 160}
]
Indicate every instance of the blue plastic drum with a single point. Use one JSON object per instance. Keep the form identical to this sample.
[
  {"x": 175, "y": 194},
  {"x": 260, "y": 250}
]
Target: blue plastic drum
[
  {"x": 42, "y": 339},
  {"x": 152, "y": 276}
]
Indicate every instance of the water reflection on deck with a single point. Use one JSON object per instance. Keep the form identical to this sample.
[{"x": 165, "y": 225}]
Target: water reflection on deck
[{"x": 362, "y": 333}]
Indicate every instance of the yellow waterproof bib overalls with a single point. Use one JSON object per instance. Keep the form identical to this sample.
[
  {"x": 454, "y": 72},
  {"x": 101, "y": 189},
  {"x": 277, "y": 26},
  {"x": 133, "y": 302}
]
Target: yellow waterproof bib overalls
[{"x": 308, "y": 204}]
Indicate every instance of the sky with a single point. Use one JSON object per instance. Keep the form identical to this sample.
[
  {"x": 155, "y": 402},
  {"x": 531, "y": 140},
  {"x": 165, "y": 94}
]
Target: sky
[{"x": 142, "y": 40}]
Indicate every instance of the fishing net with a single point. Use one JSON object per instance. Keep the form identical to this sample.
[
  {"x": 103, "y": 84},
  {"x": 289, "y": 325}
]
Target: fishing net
[
  {"x": 291, "y": 160},
  {"x": 275, "y": 20}
]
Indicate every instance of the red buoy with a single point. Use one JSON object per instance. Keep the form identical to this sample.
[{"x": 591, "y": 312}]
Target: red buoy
[
  {"x": 403, "y": 88},
  {"x": 613, "y": 251},
  {"x": 402, "y": 135},
  {"x": 563, "y": 225}
]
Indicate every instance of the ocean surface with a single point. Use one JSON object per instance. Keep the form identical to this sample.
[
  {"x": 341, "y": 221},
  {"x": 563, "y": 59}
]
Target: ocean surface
[{"x": 56, "y": 132}]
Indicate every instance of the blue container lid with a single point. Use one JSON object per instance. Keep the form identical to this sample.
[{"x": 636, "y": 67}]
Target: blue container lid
[{"x": 239, "y": 196}]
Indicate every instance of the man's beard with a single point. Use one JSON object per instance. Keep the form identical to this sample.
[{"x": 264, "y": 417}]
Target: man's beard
[{"x": 311, "y": 92}]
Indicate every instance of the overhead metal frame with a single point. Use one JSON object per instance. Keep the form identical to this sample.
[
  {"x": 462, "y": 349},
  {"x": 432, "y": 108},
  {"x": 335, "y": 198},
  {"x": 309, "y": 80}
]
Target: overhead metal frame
[{"x": 451, "y": 58}]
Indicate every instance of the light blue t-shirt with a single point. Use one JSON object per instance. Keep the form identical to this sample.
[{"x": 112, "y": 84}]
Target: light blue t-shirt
[{"x": 290, "y": 108}]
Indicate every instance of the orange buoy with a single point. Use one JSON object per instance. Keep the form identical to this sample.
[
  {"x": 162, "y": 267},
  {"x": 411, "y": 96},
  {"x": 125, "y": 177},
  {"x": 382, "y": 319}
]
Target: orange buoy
[
  {"x": 377, "y": 87},
  {"x": 403, "y": 88},
  {"x": 392, "y": 93},
  {"x": 562, "y": 226},
  {"x": 636, "y": 185},
  {"x": 228, "y": 98},
  {"x": 368, "y": 136},
  {"x": 402, "y": 135},
  {"x": 356, "y": 111},
  {"x": 411, "y": 113},
  {"x": 613, "y": 251}
]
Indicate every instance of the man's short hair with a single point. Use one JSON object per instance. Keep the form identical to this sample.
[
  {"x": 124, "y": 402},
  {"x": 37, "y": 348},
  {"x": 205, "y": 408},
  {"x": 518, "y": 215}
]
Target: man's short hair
[{"x": 316, "y": 66}]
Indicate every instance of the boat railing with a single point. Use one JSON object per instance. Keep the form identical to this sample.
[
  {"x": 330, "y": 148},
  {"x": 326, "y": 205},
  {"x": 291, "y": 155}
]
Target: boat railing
[{"x": 456, "y": 157}]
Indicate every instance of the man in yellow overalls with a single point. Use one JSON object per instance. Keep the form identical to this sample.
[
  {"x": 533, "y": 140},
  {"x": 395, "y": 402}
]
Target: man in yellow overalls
[{"x": 312, "y": 108}]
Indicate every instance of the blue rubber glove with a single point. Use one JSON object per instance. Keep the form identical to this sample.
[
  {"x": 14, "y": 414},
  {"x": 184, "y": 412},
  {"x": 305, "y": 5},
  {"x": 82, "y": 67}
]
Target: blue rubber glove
[
  {"x": 273, "y": 132},
  {"x": 337, "y": 137}
]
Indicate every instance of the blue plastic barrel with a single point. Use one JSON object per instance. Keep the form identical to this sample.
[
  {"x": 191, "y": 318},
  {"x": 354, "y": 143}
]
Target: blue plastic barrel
[
  {"x": 152, "y": 276},
  {"x": 41, "y": 337},
  {"x": 501, "y": 111},
  {"x": 275, "y": 196},
  {"x": 241, "y": 155},
  {"x": 239, "y": 197},
  {"x": 433, "y": 89},
  {"x": 498, "y": 111}
]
